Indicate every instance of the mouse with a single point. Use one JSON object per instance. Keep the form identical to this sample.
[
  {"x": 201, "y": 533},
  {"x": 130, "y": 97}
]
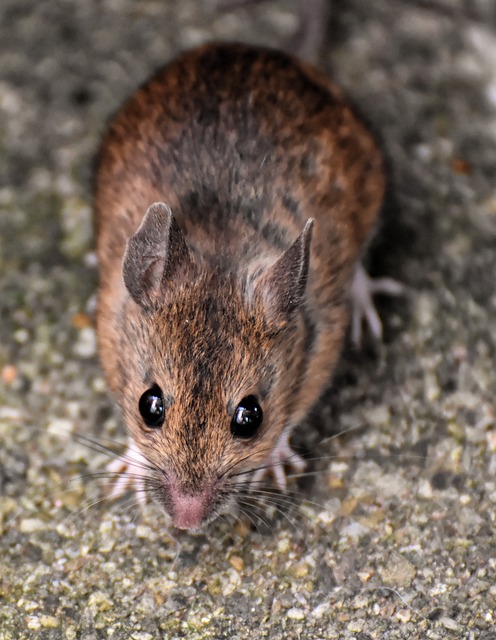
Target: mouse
[{"x": 236, "y": 192}]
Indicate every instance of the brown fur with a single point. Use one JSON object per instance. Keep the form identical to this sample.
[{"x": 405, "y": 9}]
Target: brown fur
[{"x": 244, "y": 145}]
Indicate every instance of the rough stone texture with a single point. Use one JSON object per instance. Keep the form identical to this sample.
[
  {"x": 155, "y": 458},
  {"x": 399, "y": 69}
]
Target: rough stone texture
[{"x": 393, "y": 533}]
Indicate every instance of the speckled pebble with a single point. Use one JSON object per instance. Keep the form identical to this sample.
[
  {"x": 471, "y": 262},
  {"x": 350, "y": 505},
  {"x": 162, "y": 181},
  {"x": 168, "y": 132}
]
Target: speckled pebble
[
  {"x": 49, "y": 622},
  {"x": 404, "y": 615},
  {"x": 321, "y": 610},
  {"x": 32, "y": 525},
  {"x": 85, "y": 346},
  {"x": 70, "y": 633},
  {"x": 296, "y": 614},
  {"x": 237, "y": 563},
  {"x": 100, "y": 601},
  {"x": 398, "y": 572},
  {"x": 33, "y": 623},
  {"x": 231, "y": 582},
  {"x": 449, "y": 623},
  {"x": 356, "y": 626}
]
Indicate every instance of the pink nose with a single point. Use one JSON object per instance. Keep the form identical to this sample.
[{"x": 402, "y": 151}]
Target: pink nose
[{"x": 188, "y": 511}]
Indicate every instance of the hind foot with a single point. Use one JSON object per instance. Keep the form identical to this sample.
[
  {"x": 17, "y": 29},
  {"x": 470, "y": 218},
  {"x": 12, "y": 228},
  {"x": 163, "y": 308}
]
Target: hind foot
[{"x": 363, "y": 288}]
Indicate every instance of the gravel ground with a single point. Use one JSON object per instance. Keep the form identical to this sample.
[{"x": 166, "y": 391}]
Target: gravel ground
[{"x": 393, "y": 533}]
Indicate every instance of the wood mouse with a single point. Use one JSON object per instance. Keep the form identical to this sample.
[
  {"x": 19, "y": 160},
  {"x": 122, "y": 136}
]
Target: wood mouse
[{"x": 235, "y": 193}]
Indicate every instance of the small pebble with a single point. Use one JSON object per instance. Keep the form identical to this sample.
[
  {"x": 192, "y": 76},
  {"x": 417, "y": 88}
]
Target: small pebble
[
  {"x": 9, "y": 374},
  {"x": 21, "y": 336},
  {"x": 449, "y": 623},
  {"x": 33, "y": 623},
  {"x": 296, "y": 614},
  {"x": 85, "y": 346},
  {"x": 404, "y": 615},
  {"x": 237, "y": 563},
  {"x": 398, "y": 572},
  {"x": 49, "y": 622},
  {"x": 101, "y": 601},
  {"x": 80, "y": 321},
  {"x": 32, "y": 525}
]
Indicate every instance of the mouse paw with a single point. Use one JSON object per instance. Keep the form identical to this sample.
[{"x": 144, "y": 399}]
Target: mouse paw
[
  {"x": 363, "y": 288},
  {"x": 129, "y": 474},
  {"x": 281, "y": 456}
]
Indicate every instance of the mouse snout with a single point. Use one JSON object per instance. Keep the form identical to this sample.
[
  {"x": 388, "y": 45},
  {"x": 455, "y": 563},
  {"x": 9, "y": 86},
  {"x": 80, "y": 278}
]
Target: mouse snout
[{"x": 190, "y": 510}]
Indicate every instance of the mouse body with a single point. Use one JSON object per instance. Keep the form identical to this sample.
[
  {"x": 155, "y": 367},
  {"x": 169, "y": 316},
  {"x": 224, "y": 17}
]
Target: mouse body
[{"x": 235, "y": 193}]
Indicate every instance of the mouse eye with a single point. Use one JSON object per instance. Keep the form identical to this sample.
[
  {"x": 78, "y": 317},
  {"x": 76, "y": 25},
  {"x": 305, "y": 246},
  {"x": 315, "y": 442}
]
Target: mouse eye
[
  {"x": 151, "y": 407},
  {"x": 247, "y": 418}
]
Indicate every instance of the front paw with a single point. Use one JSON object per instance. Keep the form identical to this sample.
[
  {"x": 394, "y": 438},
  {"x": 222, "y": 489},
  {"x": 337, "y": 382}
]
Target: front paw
[
  {"x": 282, "y": 456},
  {"x": 129, "y": 473}
]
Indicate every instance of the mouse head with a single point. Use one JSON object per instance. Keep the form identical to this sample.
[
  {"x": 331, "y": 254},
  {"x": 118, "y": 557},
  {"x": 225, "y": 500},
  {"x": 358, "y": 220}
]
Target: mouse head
[{"x": 211, "y": 381}]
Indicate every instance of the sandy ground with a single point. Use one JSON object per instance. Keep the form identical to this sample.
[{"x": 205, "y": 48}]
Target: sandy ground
[{"x": 393, "y": 534}]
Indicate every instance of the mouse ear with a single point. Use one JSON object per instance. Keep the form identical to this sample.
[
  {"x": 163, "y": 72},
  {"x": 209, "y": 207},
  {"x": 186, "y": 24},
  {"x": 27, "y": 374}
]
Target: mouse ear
[
  {"x": 282, "y": 286},
  {"x": 154, "y": 255}
]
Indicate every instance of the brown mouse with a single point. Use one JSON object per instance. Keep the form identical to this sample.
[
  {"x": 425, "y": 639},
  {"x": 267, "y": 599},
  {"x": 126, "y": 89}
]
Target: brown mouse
[{"x": 235, "y": 193}]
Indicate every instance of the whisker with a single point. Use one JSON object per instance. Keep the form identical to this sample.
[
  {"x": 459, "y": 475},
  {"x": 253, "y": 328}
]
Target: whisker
[
  {"x": 278, "y": 510},
  {"x": 343, "y": 432},
  {"x": 365, "y": 455},
  {"x": 132, "y": 504},
  {"x": 266, "y": 489},
  {"x": 398, "y": 594},
  {"x": 75, "y": 514},
  {"x": 101, "y": 475},
  {"x": 265, "y": 492},
  {"x": 103, "y": 441},
  {"x": 238, "y": 462},
  {"x": 100, "y": 447},
  {"x": 294, "y": 499},
  {"x": 267, "y": 465},
  {"x": 280, "y": 497},
  {"x": 247, "y": 510},
  {"x": 252, "y": 470}
]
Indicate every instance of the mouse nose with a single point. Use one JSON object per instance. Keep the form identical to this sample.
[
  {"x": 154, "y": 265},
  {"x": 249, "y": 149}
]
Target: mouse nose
[{"x": 188, "y": 511}]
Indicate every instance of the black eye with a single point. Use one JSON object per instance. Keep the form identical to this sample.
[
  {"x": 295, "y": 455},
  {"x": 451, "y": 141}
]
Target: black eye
[
  {"x": 247, "y": 418},
  {"x": 151, "y": 407}
]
